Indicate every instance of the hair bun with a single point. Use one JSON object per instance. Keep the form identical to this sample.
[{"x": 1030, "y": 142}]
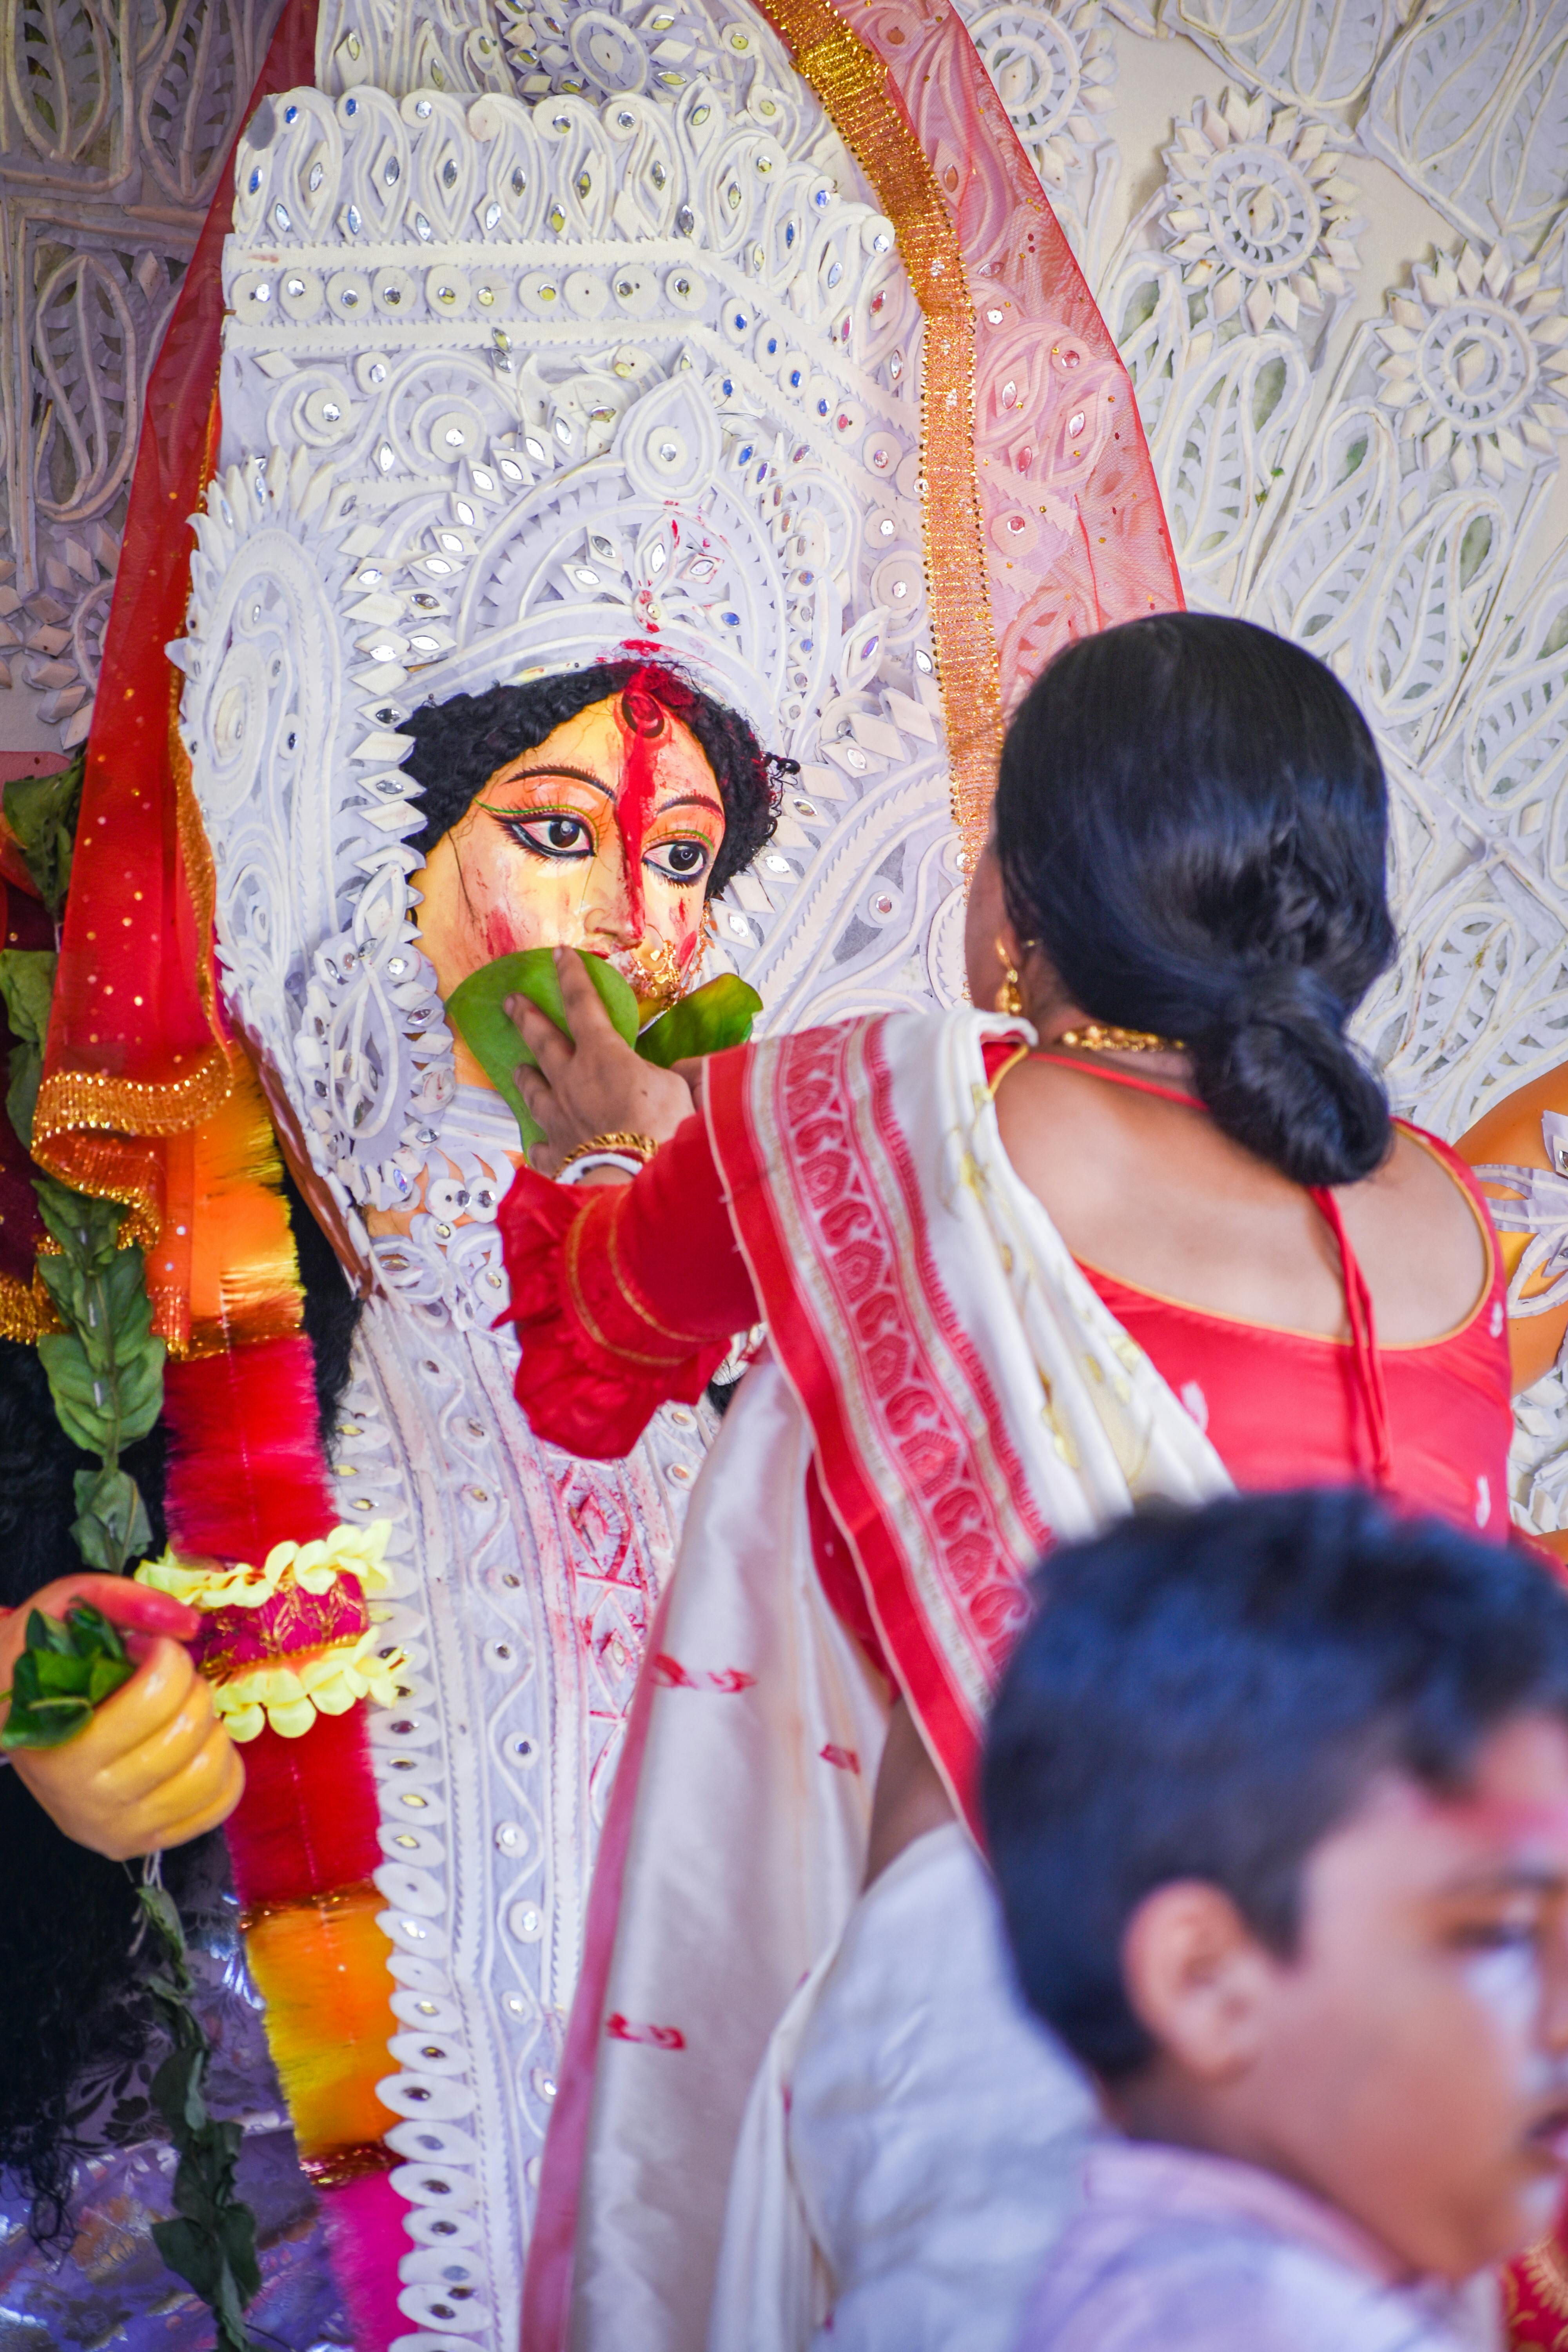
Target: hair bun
[
  {"x": 1191, "y": 819},
  {"x": 1279, "y": 1073}
]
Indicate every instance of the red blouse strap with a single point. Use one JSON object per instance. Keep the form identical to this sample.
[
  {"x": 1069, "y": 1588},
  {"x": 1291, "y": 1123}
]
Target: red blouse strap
[
  {"x": 1119, "y": 1078},
  {"x": 1358, "y": 1298},
  {"x": 1363, "y": 1337}
]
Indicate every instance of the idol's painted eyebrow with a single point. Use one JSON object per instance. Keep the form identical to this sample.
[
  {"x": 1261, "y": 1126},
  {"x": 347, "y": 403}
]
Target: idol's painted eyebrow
[
  {"x": 558, "y": 768},
  {"x": 693, "y": 800}
]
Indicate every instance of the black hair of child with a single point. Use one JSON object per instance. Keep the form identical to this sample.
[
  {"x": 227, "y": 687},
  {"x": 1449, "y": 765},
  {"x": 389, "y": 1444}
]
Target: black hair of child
[{"x": 1209, "y": 1694}]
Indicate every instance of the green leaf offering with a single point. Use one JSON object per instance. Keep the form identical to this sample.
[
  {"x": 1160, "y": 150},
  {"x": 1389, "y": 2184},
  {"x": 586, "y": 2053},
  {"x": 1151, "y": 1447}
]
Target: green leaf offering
[
  {"x": 477, "y": 1008},
  {"x": 41, "y": 812},
  {"x": 712, "y": 1017},
  {"x": 69, "y": 1666},
  {"x": 105, "y": 1370}
]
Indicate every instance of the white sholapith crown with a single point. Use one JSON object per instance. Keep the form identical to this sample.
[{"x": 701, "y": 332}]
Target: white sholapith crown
[{"x": 506, "y": 389}]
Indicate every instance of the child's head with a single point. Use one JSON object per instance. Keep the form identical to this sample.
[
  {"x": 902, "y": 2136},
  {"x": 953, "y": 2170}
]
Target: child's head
[{"x": 1277, "y": 1795}]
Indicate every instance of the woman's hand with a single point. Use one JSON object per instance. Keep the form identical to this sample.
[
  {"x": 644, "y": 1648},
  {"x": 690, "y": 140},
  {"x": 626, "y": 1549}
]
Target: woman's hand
[
  {"x": 155, "y": 1767},
  {"x": 591, "y": 1083}
]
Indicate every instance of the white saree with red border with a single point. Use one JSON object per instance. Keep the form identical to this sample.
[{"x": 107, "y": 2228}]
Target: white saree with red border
[{"x": 966, "y": 1400}]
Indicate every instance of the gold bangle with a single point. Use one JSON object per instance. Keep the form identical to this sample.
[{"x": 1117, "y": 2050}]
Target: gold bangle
[{"x": 636, "y": 1147}]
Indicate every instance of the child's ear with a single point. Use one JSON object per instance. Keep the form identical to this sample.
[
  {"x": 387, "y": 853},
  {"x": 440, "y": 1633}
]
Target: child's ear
[{"x": 1197, "y": 1978}]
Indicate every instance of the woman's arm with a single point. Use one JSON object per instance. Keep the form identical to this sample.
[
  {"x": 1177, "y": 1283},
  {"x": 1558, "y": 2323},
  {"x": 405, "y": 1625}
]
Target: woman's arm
[
  {"x": 910, "y": 1797},
  {"x": 626, "y": 1297}
]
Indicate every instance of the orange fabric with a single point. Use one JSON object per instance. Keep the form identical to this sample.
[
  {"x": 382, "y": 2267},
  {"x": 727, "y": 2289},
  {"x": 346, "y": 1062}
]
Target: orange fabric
[
  {"x": 224, "y": 1268},
  {"x": 320, "y": 1967}
]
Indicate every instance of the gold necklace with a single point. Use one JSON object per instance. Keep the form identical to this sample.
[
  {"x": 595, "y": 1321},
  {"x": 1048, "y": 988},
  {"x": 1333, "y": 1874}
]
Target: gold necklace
[{"x": 1106, "y": 1037}]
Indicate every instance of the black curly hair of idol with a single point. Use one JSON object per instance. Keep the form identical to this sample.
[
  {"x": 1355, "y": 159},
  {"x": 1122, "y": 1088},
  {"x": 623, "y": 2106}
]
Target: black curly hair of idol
[
  {"x": 459, "y": 745},
  {"x": 73, "y": 2011}
]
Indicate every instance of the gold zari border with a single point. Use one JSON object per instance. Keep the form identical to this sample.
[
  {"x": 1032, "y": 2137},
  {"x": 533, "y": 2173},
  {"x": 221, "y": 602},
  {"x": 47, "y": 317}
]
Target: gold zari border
[
  {"x": 571, "y": 1261},
  {"x": 92, "y": 1098},
  {"x": 855, "y": 87},
  {"x": 367, "y": 2157},
  {"x": 26, "y": 1312}
]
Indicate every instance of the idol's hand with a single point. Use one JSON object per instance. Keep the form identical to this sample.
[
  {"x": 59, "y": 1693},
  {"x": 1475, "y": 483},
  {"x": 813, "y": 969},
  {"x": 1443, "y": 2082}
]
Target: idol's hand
[
  {"x": 155, "y": 1767},
  {"x": 591, "y": 1083}
]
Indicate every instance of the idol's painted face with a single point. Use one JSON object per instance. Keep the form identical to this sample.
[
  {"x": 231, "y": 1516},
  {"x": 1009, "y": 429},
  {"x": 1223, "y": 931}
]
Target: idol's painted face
[{"x": 602, "y": 837}]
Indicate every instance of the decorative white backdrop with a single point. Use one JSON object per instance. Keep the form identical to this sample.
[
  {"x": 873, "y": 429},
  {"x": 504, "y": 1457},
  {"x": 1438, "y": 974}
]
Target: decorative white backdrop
[
  {"x": 1329, "y": 235},
  {"x": 114, "y": 118}
]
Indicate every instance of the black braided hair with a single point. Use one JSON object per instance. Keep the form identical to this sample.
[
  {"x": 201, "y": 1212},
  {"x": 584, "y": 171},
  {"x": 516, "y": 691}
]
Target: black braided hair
[{"x": 459, "y": 745}]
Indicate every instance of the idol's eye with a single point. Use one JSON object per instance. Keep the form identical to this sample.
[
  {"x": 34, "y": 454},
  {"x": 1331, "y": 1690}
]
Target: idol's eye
[
  {"x": 683, "y": 861},
  {"x": 553, "y": 835}
]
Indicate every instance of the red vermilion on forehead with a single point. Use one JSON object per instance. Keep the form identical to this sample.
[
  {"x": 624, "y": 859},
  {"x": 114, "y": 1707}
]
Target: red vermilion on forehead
[
  {"x": 649, "y": 699},
  {"x": 642, "y": 713}
]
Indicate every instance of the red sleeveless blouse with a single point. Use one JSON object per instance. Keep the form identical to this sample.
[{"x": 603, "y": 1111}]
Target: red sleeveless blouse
[{"x": 628, "y": 1296}]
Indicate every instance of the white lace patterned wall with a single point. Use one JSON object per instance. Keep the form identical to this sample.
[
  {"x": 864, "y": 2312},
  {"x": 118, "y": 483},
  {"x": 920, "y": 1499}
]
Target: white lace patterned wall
[{"x": 114, "y": 118}]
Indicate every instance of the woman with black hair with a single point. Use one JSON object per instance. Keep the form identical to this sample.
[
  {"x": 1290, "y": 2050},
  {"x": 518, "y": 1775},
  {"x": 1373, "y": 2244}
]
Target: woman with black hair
[{"x": 1145, "y": 1232}]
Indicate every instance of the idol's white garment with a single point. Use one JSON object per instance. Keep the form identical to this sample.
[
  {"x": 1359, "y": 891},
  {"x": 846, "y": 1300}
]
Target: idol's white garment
[
  {"x": 933, "y": 2136},
  {"x": 524, "y": 1581}
]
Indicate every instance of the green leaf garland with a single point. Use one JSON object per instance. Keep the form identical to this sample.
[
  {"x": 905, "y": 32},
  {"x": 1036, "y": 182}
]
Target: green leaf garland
[
  {"x": 105, "y": 1370},
  {"x": 41, "y": 813},
  {"x": 26, "y": 985},
  {"x": 210, "y": 2241}
]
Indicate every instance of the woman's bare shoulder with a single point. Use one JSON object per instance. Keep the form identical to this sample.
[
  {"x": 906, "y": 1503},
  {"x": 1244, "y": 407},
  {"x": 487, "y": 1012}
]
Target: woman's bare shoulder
[{"x": 1417, "y": 1230}]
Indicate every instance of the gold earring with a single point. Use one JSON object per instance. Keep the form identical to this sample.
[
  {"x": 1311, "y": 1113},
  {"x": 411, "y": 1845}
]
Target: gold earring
[
  {"x": 706, "y": 937},
  {"x": 1008, "y": 997}
]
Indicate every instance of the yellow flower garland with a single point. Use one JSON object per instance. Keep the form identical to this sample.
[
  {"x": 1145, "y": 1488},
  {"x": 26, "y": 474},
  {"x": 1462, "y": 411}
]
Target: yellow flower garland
[{"x": 327, "y": 1681}]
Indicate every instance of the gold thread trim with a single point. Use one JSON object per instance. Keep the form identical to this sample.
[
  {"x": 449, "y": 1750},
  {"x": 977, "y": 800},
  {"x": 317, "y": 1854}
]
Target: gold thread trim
[
  {"x": 356, "y": 1896},
  {"x": 73, "y": 1099},
  {"x": 1020, "y": 1053},
  {"x": 107, "y": 1167},
  {"x": 27, "y": 1310},
  {"x": 586, "y": 1317},
  {"x": 688, "y": 1341},
  {"x": 1543, "y": 2266},
  {"x": 857, "y": 89}
]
